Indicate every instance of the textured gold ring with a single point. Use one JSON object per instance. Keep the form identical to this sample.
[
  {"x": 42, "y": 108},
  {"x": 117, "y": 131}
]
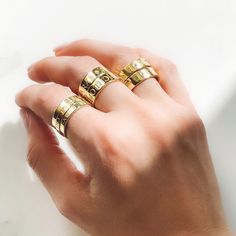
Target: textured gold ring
[
  {"x": 64, "y": 112},
  {"x": 132, "y": 67},
  {"x": 139, "y": 76},
  {"x": 94, "y": 82}
]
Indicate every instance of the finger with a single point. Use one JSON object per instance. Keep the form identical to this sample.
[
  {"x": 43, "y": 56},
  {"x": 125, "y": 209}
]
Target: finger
[
  {"x": 108, "y": 54},
  {"x": 116, "y": 57},
  {"x": 70, "y": 71},
  {"x": 58, "y": 174},
  {"x": 170, "y": 79},
  {"x": 44, "y": 99}
]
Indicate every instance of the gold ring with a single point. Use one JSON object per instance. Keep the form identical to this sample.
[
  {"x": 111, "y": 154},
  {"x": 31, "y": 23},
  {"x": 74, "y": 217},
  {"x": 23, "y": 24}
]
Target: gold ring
[
  {"x": 94, "y": 82},
  {"x": 132, "y": 67},
  {"x": 64, "y": 112},
  {"x": 139, "y": 76},
  {"x": 58, "y": 114}
]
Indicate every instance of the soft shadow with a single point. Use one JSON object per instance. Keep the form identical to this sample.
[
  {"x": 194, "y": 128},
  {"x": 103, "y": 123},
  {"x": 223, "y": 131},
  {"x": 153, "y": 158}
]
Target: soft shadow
[
  {"x": 222, "y": 140},
  {"x": 25, "y": 207}
]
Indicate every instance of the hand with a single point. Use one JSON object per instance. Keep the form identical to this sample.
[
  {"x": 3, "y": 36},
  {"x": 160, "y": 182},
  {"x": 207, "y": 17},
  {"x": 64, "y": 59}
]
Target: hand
[{"x": 148, "y": 168}]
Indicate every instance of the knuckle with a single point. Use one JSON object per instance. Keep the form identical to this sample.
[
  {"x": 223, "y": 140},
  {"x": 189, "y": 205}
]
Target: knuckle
[
  {"x": 72, "y": 67},
  {"x": 44, "y": 95},
  {"x": 195, "y": 123},
  {"x": 86, "y": 59},
  {"x": 113, "y": 144},
  {"x": 33, "y": 155},
  {"x": 66, "y": 207},
  {"x": 43, "y": 63},
  {"x": 41, "y": 101},
  {"x": 190, "y": 124},
  {"x": 170, "y": 66},
  {"x": 125, "y": 54},
  {"x": 108, "y": 141},
  {"x": 76, "y": 65},
  {"x": 123, "y": 50},
  {"x": 142, "y": 52}
]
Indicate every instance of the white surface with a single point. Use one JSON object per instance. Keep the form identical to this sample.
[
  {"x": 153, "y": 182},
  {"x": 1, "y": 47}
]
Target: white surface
[{"x": 199, "y": 36}]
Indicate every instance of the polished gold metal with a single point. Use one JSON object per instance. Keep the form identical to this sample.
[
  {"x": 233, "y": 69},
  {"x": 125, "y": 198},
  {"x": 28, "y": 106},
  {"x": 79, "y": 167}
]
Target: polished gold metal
[
  {"x": 59, "y": 112},
  {"x": 132, "y": 67},
  {"x": 139, "y": 76},
  {"x": 94, "y": 82},
  {"x": 78, "y": 102},
  {"x": 64, "y": 112}
]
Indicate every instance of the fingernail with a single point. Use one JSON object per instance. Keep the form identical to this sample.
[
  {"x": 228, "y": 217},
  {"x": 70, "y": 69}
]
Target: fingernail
[
  {"x": 25, "y": 117},
  {"x": 60, "y": 47}
]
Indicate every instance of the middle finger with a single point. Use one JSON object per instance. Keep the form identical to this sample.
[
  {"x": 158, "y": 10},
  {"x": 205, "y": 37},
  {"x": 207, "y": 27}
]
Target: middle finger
[{"x": 70, "y": 71}]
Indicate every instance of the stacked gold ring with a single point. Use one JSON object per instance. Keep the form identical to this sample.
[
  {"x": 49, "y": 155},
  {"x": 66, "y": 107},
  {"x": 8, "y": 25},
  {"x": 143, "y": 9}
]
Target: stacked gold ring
[
  {"x": 94, "y": 82},
  {"x": 132, "y": 67},
  {"x": 136, "y": 72},
  {"x": 64, "y": 112}
]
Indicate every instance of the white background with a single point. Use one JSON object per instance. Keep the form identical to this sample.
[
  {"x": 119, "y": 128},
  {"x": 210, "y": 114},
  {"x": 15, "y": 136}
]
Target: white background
[{"x": 198, "y": 35}]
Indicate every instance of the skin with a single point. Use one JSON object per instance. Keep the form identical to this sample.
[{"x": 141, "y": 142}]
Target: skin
[{"x": 148, "y": 170}]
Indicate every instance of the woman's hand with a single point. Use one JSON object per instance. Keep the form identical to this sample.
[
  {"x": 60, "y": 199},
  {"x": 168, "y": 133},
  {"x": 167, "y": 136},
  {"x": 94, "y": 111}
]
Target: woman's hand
[{"x": 148, "y": 168}]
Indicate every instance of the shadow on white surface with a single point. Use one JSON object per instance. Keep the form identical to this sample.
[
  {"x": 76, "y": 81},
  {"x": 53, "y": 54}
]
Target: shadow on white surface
[
  {"x": 25, "y": 206},
  {"x": 222, "y": 140}
]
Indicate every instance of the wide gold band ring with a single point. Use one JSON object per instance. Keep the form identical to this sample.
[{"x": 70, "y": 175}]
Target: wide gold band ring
[
  {"x": 94, "y": 82},
  {"x": 64, "y": 112},
  {"x": 139, "y": 76},
  {"x": 132, "y": 67}
]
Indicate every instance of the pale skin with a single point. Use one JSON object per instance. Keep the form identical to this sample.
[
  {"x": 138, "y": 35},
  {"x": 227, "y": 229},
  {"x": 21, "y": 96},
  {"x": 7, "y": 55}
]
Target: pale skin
[{"x": 148, "y": 170}]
